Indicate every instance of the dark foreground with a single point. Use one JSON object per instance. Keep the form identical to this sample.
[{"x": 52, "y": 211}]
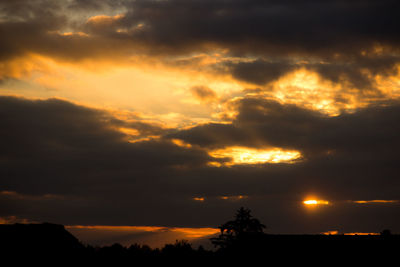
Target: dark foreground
[{"x": 52, "y": 244}]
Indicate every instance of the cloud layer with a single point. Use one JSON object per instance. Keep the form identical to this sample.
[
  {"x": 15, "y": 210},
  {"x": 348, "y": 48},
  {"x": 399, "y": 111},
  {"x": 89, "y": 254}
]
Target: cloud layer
[
  {"x": 70, "y": 164},
  {"x": 345, "y": 42}
]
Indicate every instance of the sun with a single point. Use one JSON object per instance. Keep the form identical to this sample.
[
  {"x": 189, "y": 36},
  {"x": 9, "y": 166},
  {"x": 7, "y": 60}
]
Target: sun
[{"x": 315, "y": 202}]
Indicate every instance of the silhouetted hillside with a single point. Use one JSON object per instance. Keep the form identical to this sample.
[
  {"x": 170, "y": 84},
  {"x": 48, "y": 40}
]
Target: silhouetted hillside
[
  {"x": 38, "y": 236},
  {"x": 38, "y": 243}
]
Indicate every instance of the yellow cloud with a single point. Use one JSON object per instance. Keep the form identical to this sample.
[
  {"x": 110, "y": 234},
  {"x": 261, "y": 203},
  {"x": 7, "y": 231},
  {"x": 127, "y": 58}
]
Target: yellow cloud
[{"x": 244, "y": 155}]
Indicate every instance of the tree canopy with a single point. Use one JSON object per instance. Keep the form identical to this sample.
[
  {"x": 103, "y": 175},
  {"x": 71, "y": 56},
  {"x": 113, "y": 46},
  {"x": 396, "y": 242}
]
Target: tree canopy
[{"x": 239, "y": 229}]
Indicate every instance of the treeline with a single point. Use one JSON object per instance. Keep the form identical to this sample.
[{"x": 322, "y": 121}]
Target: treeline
[
  {"x": 180, "y": 251},
  {"x": 284, "y": 248}
]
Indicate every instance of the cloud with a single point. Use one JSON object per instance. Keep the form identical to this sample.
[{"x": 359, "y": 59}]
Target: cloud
[
  {"x": 271, "y": 26},
  {"x": 68, "y": 138},
  {"x": 262, "y": 122},
  {"x": 260, "y": 72},
  {"x": 203, "y": 93},
  {"x": 359, "y": 72}
]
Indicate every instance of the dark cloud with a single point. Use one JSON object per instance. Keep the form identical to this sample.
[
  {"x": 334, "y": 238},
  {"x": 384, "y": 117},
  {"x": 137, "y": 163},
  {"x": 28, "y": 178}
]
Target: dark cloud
[
  {"x": 26, "y": 28},
  {"x": 269, "y": 26},
  {"x": 76, "y": 154},
  {"x": 91, "y": 5},
  {"x": 260, "y": 72},
  {"x": 53, "y": 143},
  {"x": 69, "y": 164},
  {"x": 357, "y": 71},
  {"x": 269, "y": 123},
  {"x": 259, "y": 123},
  {"x": 38, "y": 27}
]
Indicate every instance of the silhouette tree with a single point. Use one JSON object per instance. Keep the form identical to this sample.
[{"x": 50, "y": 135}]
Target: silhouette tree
[{"x": 239, "y": 230}]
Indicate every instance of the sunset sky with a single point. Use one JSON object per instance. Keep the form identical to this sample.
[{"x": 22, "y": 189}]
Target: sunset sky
[{"x": 130, "y": 117}]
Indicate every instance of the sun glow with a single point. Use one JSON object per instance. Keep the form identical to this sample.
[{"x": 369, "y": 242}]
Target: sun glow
[
  {"x": 244, "y": 155},
  {"x": 314, "y": 202}
]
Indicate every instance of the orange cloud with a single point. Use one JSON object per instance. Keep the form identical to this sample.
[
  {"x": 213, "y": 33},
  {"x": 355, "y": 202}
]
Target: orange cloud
[
  {"x": 104, "y": 20},
  {"x": 193, "y": 233},
  {"x": 361, "y": 233},
  {"x": 234, "y": 198},
  {"x": 376, "y": 201},
  {"x": 335, "y": 232},
  {"x": 13, "y": 219}
]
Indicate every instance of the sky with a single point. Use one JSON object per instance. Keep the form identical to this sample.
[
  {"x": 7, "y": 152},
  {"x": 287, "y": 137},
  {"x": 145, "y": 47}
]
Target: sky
[{"x": 155, "y": 118}]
